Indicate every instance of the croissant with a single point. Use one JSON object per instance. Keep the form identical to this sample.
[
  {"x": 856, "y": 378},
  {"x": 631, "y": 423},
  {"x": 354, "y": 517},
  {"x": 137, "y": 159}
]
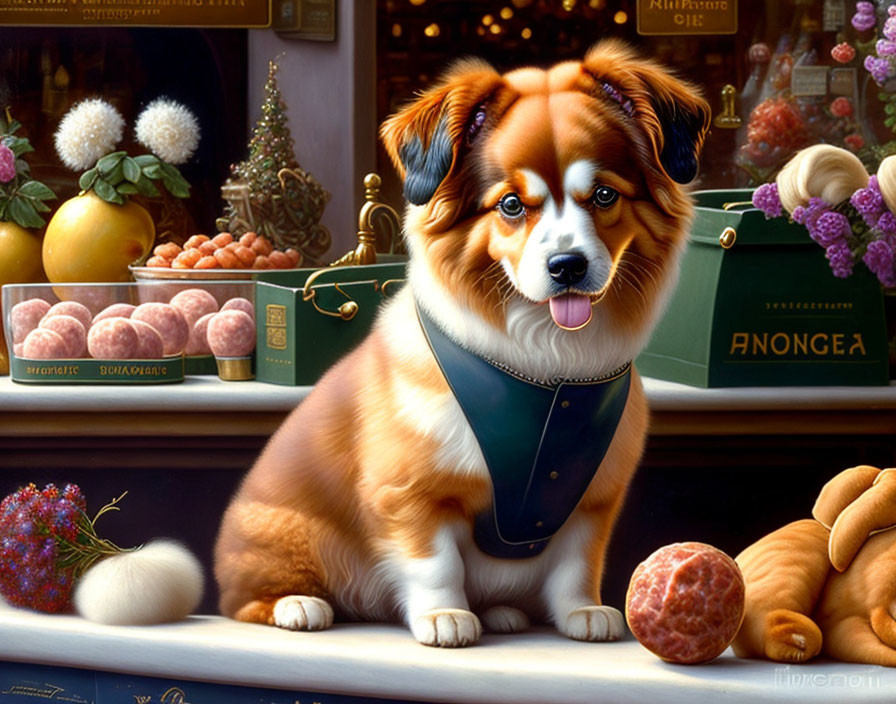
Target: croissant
[{"x": 827, "y": 583}]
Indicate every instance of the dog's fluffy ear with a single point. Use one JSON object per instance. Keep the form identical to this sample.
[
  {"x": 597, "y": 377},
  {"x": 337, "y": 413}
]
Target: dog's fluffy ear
[
  {"x": 426, "y": 139},
  {"x": 671, "y": 112}
]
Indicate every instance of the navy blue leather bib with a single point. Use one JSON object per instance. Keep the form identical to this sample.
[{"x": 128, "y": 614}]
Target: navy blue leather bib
[{"x": 542, "y": 443}]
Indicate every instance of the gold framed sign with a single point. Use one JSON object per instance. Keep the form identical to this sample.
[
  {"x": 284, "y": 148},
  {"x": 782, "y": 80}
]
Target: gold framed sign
[
  {"x": 679, "y": 17},
  {"x": 137, "y": 13}
]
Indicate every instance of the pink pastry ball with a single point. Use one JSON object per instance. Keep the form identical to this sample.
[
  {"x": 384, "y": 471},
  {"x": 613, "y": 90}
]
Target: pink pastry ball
[
  {"x": 685, "y": 602},
  {"x": 75, "y": 310},
  {"x": 198, "y": 342},
  {"x": 193, "y": 303},
  {"x": 149, "y": 342},
  {"x": 240, "y": 303},
  {"x": 26, "y": 316},
  {"x": 71, "y": 330},
  {"x": 231, "y": 333},
  {"x": 112, "y": 338},
  {"x": 116, "y": 310},
  {"x": 168, "y": 321},
  {"x": 44, "y": 344}
]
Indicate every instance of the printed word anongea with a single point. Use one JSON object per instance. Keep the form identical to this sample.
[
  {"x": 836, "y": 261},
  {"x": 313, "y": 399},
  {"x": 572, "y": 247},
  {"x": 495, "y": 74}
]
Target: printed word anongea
[{"x": 688, "y": 4}]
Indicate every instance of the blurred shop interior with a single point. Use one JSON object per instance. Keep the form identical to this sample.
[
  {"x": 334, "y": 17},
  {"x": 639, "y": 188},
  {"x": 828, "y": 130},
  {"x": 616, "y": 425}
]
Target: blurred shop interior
[{"x": 338, "y": 91}]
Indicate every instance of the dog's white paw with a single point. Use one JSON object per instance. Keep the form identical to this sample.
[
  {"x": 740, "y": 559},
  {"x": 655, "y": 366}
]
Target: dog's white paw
[
  {"x": 447, "y": 628},
  {"x": 303, "y": 613},
  {"x": 504, "y": 619},
  {"x": 595, "y": 623}
]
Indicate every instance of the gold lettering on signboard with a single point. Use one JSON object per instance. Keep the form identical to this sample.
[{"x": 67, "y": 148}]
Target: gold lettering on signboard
[
  {"x": 171, "y": 13},
  {"x": 687, "y": 17}
]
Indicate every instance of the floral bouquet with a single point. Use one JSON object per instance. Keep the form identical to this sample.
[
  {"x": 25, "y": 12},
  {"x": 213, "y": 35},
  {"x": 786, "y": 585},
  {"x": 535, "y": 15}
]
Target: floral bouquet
[
  {"x": 47, "y": 542},
  {"x": 52, "y": 560},
  {"x": 845, "y": 210}
]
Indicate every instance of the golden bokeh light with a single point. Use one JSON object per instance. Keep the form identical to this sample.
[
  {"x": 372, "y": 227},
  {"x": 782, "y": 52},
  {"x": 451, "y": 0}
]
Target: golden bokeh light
[
  {"x": 396, "y": 30},
  {"x": 432, "y": 30},
  {"x": 487, "y": 20},
  {"x": 620, "y": 17},
  {"x": 526, "y": 33},
  {"x": 506, "y": 13}
]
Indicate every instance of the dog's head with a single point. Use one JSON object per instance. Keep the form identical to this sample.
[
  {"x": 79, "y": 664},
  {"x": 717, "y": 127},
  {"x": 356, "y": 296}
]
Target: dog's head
[{"x": 558, "y": 187}]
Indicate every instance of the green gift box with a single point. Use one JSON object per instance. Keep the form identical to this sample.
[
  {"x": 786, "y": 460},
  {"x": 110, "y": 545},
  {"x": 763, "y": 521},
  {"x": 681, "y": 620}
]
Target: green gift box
[
  {"x": 758, "y": 305},
  {"x": 308, "y": 318}
]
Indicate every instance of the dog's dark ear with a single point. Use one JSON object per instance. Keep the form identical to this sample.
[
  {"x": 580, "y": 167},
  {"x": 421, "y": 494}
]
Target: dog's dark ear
[
  {"x": 671, "y": 112},
  {"x": 427, "y": 137}
]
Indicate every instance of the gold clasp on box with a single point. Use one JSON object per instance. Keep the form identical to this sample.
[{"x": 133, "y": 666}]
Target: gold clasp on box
[
  {"x": 346, "y": 311},
  {"x": 728, "y": 237}
]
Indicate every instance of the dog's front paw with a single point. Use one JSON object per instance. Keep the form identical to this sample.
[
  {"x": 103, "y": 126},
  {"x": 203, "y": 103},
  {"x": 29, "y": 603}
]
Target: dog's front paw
[
  {"x": 504, "y": 619},
  {"x": 595, "y": 623},
  {"x": 447, "y": 628},
  {"x": 303, "y": 613}
]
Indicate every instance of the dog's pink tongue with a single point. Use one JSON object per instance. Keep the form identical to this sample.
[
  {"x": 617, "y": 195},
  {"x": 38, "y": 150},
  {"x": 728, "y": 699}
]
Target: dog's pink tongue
[{"x": 571, "y": 311}]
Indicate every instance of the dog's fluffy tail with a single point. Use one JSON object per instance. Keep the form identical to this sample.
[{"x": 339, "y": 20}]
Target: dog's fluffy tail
[{"x": 158, "y": 583}]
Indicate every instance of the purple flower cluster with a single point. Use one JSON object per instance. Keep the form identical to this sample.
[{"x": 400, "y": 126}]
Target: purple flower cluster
[
  {"x": 879, "y": 258},
  {"x": 879, "y": 68},
  {"x": 767, "y": 200},
  {"x": 840, "y": 257},
  {"x": 864, "y": 18},
  {"x": 829, "y": 229},
  {"x": 32, "y": 523},
  {"x": 7, "y": 164},
  {"x": 869, "y": 203}
]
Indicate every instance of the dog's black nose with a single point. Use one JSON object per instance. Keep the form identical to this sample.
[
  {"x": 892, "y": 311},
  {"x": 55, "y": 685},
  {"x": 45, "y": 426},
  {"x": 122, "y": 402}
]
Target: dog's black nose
[{"x": 567, "y": 269}]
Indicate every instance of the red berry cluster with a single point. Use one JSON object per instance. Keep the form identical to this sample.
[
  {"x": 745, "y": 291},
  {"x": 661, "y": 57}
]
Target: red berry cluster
[
  {"x": 32, "y": 524},
  {"x": 777, "y": 123},
  {"x": 843, "y": 53}
]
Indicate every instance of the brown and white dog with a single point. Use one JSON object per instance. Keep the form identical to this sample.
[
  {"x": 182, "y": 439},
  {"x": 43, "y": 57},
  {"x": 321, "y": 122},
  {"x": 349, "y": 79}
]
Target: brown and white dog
[{"x": 544, "y": 225}]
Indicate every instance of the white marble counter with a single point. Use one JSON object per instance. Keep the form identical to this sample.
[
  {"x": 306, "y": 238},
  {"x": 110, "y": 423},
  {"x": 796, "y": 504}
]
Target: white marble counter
[
  {"x": 385, "y": 661},
  {"x": 201, "y": 393}
]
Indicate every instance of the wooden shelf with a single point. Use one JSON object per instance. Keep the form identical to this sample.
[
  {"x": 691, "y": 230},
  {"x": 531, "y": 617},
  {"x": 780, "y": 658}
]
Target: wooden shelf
[{"x": 206, "y": 406}]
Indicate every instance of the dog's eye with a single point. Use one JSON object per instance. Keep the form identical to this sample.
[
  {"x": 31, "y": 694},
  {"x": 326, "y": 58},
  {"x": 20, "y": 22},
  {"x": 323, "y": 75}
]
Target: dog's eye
[
  {"x": 604, "y": 196},
  {"x": 510, "y": 206}
]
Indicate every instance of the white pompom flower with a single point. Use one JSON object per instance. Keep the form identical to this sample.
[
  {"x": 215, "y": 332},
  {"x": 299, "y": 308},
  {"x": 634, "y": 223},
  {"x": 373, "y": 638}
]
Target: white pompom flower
[
  {"x": 169, "y": 130},
  {"x": 89, "y": 131}
]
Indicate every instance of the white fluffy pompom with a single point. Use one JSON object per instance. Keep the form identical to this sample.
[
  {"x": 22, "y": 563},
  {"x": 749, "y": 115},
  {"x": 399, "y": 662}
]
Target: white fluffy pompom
[
  {"x": 169, "y": 130},
  {"x": 90, "y": 130},
  {"x": 159, "y": 583}
]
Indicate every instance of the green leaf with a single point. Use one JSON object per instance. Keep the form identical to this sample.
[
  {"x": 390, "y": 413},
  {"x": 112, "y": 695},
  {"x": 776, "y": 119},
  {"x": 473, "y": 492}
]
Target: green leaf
[
  {"x": 115, "y": 176},
  {"x": 40, "y": 206},
  {"x": 22, "y": 168},
  {"x": 174, "y": 181},
  {"x": 107, "y": 192},
  {"x": 19, "y": 145},
  {"x": 890, "y": 109},
  {"x": 127, "y": 189},
  {"x": 146, "y": 160},
  {"x": 152, "y": 171},
  {"x": 35, "y": 189},
  {"x": 176, "y": 188},
  {"x": 87, "y": 179},
  {"x": 147, "y": 188},
  {"x": 131, "y": 169},
  {"x": 109, "y": 162},
  {"x": 23, "y": 213},
  {"x": 13, "y": 126}
]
